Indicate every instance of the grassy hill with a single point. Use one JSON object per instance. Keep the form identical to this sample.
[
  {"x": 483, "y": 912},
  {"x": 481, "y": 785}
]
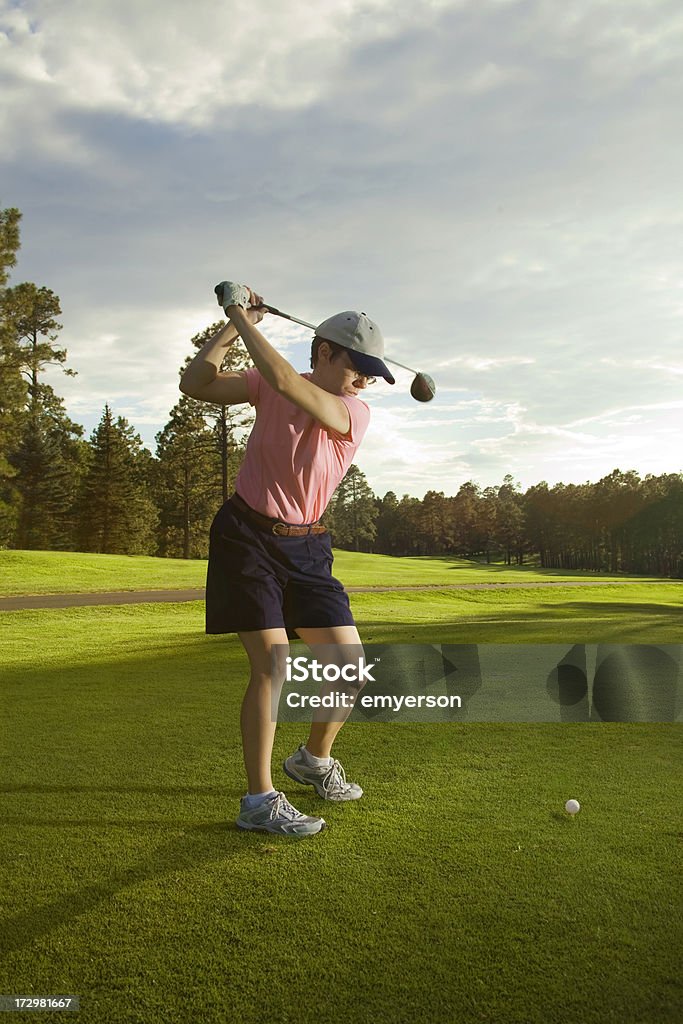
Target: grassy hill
[{"x": 67, "y": 572}]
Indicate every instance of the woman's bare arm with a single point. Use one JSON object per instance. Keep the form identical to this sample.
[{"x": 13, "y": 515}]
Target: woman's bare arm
[
  {"x": 202, "y": 380},
  {"x": 326, "y": 408}
]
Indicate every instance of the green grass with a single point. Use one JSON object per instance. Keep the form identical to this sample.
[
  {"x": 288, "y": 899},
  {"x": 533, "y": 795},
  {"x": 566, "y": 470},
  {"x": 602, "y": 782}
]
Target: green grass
[
  {"x": 456, "y": 890},
  {"x": 627, "y": 613},
  {"x": 66, "y": 572}
]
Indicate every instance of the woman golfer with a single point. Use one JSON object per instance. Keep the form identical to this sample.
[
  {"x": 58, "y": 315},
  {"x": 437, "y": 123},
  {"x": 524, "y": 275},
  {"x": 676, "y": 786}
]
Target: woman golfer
[{"x": 270, "y": 561}]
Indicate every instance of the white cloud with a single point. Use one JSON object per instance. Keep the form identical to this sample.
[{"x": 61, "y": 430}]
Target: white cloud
[
  {"x": 492, "y": 76},
  {"x": 482, "y": 363},
  {"x": 181, "y": 63},
  {"x": 654, "y": 363},
  {"x": 497, "y": 183}
]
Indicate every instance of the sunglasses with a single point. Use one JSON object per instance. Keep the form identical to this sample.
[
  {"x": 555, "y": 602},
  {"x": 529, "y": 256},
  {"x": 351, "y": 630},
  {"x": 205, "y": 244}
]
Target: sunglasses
[{"x": 357, "y": 375}]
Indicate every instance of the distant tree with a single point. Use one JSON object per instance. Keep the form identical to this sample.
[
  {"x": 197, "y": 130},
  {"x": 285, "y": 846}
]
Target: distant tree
[
  {"x": 12, "y": 386},
  {"x": 49, "y": 461},
  {"x": 465, "y": 509},
  {"x": 228, "y": 420},
  {"x": 510, "y": 526},
  {"x": 355, "y": 512},
  {"x": 408, "y": 539},
  {"x": 117, "y": 513},
  {"x": 30, "y": 315},
  {"x": 540, "y": 529},
  {"x": 436, "y": 523},
  {"x": 387, "y": 524},
  {"x": 10, "y": 433},
  {"x": 654, "y": 538},
  {"x": 43, "y": 453},
  {"x": 9, "y": 241},
  {"x": 618, "y": 500},
  {"x": 328, "y": 518},
  {"x": 188, "y": 482},
  {"x": 488, "y": 520}
]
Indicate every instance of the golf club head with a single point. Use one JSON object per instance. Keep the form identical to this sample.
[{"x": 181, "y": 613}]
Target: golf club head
[{"x": 423, "y": 388}]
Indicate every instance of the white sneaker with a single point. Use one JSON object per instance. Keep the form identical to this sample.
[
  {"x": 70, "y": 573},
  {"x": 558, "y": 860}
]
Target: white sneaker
[
  {"x": 329, "y": 781},
  {"x": 276, "y": 814}
]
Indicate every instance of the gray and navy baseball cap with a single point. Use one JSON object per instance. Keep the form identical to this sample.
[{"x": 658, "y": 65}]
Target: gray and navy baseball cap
[{"x": 363, "y": 339}]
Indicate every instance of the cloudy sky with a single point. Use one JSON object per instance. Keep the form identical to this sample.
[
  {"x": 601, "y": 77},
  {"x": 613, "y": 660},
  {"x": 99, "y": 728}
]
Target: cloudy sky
[{"x": 496, "y": 182}]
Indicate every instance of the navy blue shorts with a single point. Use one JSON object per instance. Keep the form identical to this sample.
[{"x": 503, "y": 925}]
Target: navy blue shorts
[{"x": 259, "y": 580}]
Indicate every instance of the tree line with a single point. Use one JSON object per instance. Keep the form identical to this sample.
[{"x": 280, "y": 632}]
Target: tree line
[
  {"x": 622, "y": 523},
  {"x": 109, "y": 494}
]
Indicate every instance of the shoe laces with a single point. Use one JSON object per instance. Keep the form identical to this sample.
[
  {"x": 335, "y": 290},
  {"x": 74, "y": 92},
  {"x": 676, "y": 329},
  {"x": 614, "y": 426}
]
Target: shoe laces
[
  {"x": 335, "y": 778},
  {"x": 283, "y": 809}
]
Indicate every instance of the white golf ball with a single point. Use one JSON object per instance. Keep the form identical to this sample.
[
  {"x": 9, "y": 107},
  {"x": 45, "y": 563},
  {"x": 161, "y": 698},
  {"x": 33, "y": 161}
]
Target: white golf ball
[{"x": 572, "y": 806}]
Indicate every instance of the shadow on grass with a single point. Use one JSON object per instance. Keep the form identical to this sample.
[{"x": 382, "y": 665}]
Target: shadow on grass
[
  {"x": 524, "y": 632},
  {"x": 199, "y": 845},
  {"x": 571, "y": 573},
  {"x": 545, "y": 622},
  {"x": 29, "y": 787},
  {"x": 597, "y": 610}
]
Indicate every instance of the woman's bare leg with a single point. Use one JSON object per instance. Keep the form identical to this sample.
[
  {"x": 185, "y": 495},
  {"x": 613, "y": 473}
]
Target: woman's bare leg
[
  {"x": 323, "y": 733},
  {"x": 257, "y": 717}
]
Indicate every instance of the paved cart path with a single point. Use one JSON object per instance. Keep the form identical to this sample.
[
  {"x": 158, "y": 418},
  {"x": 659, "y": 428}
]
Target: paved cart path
[{"x": 26, "y": 601}]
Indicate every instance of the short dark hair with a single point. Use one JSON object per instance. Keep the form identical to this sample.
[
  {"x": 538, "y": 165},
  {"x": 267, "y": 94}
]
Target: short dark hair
[{"x": 317, "y": 342}]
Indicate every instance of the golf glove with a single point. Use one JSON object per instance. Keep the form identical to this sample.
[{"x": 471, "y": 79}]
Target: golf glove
[{"x": 230, "y": 294}]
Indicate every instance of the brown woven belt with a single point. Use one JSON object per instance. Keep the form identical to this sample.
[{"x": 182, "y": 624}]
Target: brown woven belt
[{"x": 274, "y": 525}]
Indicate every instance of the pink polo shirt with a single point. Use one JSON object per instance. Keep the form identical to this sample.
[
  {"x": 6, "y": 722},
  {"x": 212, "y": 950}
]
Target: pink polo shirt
[{"x": 293, "y": 463}]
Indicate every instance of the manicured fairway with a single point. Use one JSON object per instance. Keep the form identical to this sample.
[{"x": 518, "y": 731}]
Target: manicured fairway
[
  {"x": 456, "y": 890},
  {"x": 65, "y": 572},
  {"x": 631, "y": 613}
]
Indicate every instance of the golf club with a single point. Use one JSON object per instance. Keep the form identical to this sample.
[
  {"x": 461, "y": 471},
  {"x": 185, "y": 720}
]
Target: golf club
[{"x": 423, "y": 387}]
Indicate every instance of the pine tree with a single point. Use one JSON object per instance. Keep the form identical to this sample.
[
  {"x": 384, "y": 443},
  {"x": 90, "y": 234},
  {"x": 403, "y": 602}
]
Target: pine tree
[
  {"x": 510, "y": 520},
  {"x": 488, "y": 520},
  {"x": 9, "y": 241},
  {"x": 228, "y": 420},
  {"x": 30, "y": 314},
  {"x": 408, "y": 526},
  {"x": 355, "y": 512},
  {"x": 387, "y": 524},
  {"x": 465, "y": 519},
  {"x": 117, "y": 513},
  {"x": 47, "y": 483},
  {"x": 44, "y": 455},
  {"x": 328, "y": 519},
  {"x": 436, "y": 527},
  {"x": 13, "y": 390},
  {"x": 188, "y": 483}
]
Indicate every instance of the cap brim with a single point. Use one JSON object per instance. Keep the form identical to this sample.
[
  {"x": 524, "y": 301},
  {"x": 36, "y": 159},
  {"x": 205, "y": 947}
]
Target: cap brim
[{"x": 370, "y": 366}]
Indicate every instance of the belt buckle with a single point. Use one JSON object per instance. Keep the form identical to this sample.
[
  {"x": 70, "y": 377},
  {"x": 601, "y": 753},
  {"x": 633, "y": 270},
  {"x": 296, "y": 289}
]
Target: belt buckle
[{"x": 280, "y": 529}]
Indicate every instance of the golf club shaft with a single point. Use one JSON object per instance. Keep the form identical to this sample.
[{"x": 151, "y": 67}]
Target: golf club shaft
[{"x": 278, "y": 312}]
